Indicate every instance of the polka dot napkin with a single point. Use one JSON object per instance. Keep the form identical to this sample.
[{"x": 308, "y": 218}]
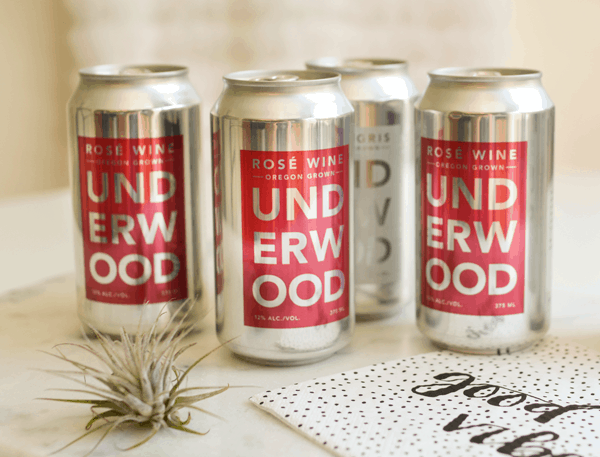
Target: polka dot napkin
[{"x": 541, "y": 402}]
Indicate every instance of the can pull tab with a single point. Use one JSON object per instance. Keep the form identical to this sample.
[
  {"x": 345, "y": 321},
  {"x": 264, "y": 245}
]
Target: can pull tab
[
  {"x": 361, "y": 63},
  {"x": 135, "y": 71},
  {"x": 485, "y": 73},
  {"x": 276, "y": 78}
]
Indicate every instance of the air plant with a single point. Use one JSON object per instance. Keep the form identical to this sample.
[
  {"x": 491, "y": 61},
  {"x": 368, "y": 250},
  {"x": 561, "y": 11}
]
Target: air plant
[{"x": 139, "y": 382}]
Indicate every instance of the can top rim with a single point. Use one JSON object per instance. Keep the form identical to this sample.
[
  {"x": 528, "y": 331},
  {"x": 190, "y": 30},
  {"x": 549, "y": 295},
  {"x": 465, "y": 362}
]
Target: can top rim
[
  {"x": 358, "y": 65},
  {"x": 281, "y": 78},
  {"x": 133, "y": 72},
  {"x": 466, "y": 74}
]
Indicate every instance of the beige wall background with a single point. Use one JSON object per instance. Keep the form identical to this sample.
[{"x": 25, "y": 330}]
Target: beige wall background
[
  {"x": 44, "y": 42},
  {"x": 35, "y": 63},
  {"x": 563, "y": 40}
]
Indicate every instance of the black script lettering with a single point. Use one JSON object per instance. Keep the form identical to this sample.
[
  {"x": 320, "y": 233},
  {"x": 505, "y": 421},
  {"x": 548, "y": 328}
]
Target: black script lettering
[
  {"x": 547, "y": 410},
  {"x": 481, "y": 391},
  {"x": 506, "y": 401},
  {"x": 516, "y": 448},
  {"x": 555, "y": 410},
  {"x": 435, "y": 390},
  {"x": 456, "y": 424}
]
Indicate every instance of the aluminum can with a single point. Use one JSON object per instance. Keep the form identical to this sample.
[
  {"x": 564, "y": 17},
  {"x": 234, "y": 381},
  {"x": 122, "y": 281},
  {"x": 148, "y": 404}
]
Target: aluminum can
[
  {"x": 134, "y": 144},
  {"x": 383, "y": 97},
  {"x": 282, "y": 162},
  {"x": 484, "y": 213}
]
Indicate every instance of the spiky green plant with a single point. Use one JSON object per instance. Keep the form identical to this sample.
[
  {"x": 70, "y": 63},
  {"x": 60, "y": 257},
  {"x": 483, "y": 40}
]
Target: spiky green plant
[{"x": 139, "y": 382}]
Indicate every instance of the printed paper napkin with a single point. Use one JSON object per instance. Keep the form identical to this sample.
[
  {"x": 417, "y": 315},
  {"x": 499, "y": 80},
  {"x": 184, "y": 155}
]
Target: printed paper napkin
[{"x": 541, "y": 402}]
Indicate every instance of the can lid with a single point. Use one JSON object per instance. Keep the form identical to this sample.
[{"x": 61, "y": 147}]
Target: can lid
[
  {"x": 465, "y": 74},
  {"x": 132, "y": 72},
  {"x": 357, "y": 65},
  {"x": 281, "y": 78}
]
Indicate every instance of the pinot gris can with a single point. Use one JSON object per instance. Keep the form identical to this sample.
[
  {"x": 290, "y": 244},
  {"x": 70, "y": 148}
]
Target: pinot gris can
[
  {"x": 134, "y": 140},
  {"x": 484, "y": 212},
  {"x": 282, "y": 175},
  {"x": 383, "y": 97}
]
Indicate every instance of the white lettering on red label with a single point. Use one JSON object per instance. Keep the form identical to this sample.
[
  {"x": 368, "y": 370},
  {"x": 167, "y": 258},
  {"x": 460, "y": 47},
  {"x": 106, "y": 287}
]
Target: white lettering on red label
[
  {"x": 133, "y": 219},
  {"x": 295, "y": 223},
  {"x": 473, "y": 216}
]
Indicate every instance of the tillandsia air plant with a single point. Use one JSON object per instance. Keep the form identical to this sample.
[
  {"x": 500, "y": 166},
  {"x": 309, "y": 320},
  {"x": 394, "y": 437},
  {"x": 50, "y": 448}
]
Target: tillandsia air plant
[{"x": 138, "y": 382}]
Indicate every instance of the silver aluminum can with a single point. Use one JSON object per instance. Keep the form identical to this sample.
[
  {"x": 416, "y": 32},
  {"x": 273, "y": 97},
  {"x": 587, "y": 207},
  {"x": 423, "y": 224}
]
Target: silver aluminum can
[
  {"x": 484, "y": 209},
  {"x": 134, "y": 143},
  {"x": 383, "y": 96},
  {"x": 282, "y": 168}
]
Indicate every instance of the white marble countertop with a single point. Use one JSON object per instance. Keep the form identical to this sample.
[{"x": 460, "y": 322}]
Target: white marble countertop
[{"x": 37, "y": 311}]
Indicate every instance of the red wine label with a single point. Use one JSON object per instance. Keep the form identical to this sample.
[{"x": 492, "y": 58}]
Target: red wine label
[
  {"x": 133, "y": 219},
  {"x": 473, "y": 220},
  {"x": 295, "y": 223}
]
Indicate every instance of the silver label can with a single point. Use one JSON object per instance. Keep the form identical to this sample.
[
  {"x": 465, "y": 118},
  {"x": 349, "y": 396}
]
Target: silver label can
[
  {"x": 383, "y": 97},
  {"x": 484, "y": 177},
  {"x": 134, "y": 147},
  {"x": 282, "y": 161}
]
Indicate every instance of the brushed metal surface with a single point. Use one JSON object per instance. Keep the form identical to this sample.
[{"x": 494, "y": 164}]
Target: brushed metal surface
[
  {"x": 149, "y": 101},
  {"x": 494, "y": 105},
  {"x": 272, "y": 111},
  {"x": 383, "y": 95}
]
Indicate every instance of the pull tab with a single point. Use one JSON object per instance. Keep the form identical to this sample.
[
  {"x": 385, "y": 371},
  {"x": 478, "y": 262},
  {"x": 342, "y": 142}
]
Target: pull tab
[
  {"x": 135, "y": 71},
  {"x": 361, "y": 63},
  {"x": 276, "y": 78},
  {"x": 485, "y": 73}
]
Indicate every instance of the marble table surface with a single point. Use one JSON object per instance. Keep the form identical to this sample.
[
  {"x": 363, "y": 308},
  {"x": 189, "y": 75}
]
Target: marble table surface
[{"x": 37, "y": 311}]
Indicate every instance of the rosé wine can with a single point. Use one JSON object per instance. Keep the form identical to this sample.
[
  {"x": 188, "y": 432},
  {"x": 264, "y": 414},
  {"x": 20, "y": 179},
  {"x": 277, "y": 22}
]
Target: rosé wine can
[
  {"x": 484, "y": 212},
  {"x": 383, "y": 97},
  {"x": 282, "y": 168},
  {"x": 134, "y": 140}
]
